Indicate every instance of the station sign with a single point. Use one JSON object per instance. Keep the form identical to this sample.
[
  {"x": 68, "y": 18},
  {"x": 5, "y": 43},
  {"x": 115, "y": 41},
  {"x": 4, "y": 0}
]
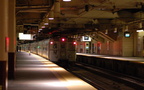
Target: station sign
[{"x": 86, "y": 38}]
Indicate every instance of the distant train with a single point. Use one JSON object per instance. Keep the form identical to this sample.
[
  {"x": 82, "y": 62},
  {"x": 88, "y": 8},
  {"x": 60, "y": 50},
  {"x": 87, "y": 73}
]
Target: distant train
[{"x": 58, "y": 50}]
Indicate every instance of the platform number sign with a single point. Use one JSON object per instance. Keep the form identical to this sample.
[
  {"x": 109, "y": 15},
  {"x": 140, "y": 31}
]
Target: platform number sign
[{"x": 127, "y": 34}]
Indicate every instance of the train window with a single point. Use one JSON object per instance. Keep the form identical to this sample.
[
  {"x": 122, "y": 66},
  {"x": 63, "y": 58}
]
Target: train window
[
  {"x": 55, "y": 45},
  {"x": 62, "y": 45}
]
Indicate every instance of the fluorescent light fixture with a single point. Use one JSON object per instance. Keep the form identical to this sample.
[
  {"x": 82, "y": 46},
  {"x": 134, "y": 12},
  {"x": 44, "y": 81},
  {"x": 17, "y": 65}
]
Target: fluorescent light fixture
[
  {"x": 43, "y": 27},
  {"x": 51, "y": 18},
  {"x": 51, "y": 15},
  {"x": 106, "y": 31},
  {"x": 115, "y": 30},
  {"x": 40, "y": 29},
  {"x": 46, "y": 23},
  {"x": 66, "y": 0},
  {"x": 141, "y": 30}
]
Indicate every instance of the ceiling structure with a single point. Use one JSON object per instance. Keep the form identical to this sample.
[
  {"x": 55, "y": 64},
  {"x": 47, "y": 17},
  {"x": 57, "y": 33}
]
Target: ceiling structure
[{"x": 78, "y": 16}]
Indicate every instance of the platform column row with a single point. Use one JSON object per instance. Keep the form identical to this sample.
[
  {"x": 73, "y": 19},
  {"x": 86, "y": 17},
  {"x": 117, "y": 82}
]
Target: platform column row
[
  {"x": 12, "y": 37},
  {"x": 8, "y": 41},
  {"x": 3, "y": 44}
]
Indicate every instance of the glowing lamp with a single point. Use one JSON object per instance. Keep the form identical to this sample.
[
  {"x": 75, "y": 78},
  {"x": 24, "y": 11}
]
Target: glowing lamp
[
  {"x": 140, "y": 30},
  {"x": 43, "y": 27},
  {"x": 51, "y": 15},
  {"x": 63, "y": 39},
  {"x": 40, "y": 29},
  {"x": 66, "y": 0},
  {"x": 51, "y": 42},
  {"x": 46, "y": 23},
  {"x": 74, "y": 43}
]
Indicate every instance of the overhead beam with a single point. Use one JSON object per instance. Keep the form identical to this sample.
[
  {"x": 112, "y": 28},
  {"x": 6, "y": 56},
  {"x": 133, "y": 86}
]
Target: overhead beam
[{"x": 32, "y": 6}]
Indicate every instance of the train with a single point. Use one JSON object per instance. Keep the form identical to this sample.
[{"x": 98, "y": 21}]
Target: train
[{"x": 59, "y": 50}]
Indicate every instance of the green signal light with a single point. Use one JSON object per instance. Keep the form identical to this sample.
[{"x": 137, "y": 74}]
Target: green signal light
[{"x": 38, "y": 46}]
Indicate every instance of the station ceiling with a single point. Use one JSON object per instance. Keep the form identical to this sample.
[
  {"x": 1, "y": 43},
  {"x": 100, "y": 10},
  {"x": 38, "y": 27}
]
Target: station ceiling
[{"x": 81, "y": 15}]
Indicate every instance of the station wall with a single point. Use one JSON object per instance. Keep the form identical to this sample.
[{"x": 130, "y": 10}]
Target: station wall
[{"x": 123, "y": 46}]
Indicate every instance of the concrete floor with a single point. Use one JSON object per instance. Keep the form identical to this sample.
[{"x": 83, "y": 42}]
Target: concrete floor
[{"x": 36, "y": 73}]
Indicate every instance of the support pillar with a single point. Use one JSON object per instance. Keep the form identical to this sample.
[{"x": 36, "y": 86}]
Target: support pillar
[
  {"x": 12, "y": 36},
  {"x": 3, "y": 44}
]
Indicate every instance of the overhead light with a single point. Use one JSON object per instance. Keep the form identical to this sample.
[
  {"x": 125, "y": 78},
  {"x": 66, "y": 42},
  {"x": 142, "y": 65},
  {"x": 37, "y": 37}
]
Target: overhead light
[
  {"x": 43, "y": 27},
  {"x": 66, "y": 0},
  {"x": 51, "y": 18},
  {"x": 51, "y": 15},
  {"x": 140, "y": 30},
  {"x": 106, "y": 31},
  {"x": 46, "y": 21},
  {"x": 115, "y": 30},
  {"x": 40, "y": 29}
]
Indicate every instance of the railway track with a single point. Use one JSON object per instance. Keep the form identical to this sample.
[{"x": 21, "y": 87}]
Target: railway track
[{"x": 106, "y": 80}]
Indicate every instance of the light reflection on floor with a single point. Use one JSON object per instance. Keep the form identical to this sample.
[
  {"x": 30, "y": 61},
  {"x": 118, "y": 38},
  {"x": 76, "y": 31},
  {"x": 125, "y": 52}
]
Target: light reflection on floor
[
  {"x": 40, "y": 74},
  {"x": 140, "y": 59}
]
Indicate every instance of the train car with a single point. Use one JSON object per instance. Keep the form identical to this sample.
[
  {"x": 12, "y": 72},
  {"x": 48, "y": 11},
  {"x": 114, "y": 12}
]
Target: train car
[
  {"x": 25, "y": 47},
  {"x": 62, "y": 51},
  {"x": 33, "y": 47},
  {"x": 58, "y": 50}
]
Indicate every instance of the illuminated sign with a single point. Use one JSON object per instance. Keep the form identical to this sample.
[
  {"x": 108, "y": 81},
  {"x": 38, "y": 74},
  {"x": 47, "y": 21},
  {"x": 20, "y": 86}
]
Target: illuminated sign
[
  {"x": 86, "y": 38},
  {"x": 127, "y": 34},
  {"x": 25, "y": 36}
]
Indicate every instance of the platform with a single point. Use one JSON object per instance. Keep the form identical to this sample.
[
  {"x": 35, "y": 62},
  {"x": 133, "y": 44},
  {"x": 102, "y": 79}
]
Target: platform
[
  {"x": 130, "y": 66},
  {"x": 36, "y": 73},
  {"x": 133, "y": 59}
]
